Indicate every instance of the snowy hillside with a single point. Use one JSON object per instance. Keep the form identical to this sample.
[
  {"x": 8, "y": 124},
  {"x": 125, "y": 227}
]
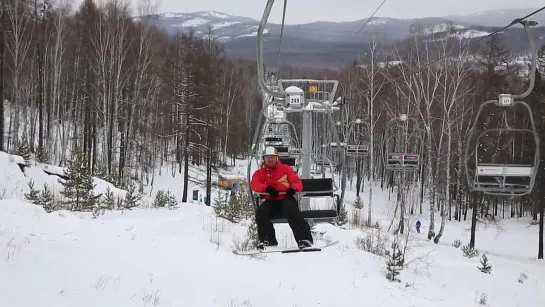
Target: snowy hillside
[
  {"x": 16, "y": 175},
  {"x": 182, "y": 257}
]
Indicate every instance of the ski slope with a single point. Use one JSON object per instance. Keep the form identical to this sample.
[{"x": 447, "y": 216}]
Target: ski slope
[{"x": 183, "y": 257}]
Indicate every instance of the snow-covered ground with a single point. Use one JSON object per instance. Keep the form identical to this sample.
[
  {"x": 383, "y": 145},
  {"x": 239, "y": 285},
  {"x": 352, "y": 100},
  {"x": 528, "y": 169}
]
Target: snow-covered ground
[{"x": 182, "y": 257}]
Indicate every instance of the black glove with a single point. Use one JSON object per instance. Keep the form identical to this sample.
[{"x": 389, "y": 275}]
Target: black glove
[
  {"x": 272, "y": 191},
  {"x": 290, "y": 192}
]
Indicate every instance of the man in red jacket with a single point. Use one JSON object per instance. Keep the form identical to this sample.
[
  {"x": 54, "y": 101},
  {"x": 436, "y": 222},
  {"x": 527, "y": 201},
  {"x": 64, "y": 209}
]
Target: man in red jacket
[{"x": 279, "y": 183}]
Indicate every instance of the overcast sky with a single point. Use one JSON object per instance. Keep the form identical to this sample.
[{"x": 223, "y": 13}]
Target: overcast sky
[{"x": 302, "y": 11}]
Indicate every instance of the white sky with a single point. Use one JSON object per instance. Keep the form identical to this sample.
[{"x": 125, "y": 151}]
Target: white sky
[{"x": 303, "y": 11}]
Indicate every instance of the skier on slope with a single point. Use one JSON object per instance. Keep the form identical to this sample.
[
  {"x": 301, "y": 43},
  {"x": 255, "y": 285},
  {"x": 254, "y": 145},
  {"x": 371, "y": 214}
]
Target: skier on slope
[{"x": 274, "y": 178}]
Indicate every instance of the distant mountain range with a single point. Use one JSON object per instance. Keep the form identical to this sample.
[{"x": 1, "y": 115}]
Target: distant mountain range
[{"x": 335, "y": 44}]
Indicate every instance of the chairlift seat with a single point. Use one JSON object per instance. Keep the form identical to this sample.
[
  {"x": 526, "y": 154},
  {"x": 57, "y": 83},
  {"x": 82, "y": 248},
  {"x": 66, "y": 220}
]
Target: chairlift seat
[
  {"x": 322, "y": 162},
  {"x": 357, "y": 150},
  {"x": 287, "y": 160},
  {"x": 503, "y": 178},
  {"x": 316, "y": 187},
  {"x": 403, "y": 160},
  {"x": 273, "y": 139},
  {"x": 282, "y": 149}
]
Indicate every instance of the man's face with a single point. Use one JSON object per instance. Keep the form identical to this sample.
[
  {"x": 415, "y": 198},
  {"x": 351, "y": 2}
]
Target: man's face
[{"x": 270, "y": 161}]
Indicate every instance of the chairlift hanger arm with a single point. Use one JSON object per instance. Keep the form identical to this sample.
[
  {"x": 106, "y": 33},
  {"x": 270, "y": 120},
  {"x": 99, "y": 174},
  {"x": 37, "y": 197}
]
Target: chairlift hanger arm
[
  {"x": 527, "y": 27},
  {"x": 260, "y": 72}
]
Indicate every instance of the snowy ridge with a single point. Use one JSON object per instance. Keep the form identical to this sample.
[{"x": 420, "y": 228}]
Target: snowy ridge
[
  {"x": 225, "y": 27},
  {"x": 341, "y": 39},
  {"x": 14, "y": 183}
]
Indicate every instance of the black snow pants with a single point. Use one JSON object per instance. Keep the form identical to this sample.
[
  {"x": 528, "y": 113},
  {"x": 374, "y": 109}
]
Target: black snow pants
[{"x": 285, "y": 208}]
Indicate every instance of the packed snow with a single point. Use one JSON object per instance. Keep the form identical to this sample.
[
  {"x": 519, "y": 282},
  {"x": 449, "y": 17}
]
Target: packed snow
[{"x": 183, "y": 257}]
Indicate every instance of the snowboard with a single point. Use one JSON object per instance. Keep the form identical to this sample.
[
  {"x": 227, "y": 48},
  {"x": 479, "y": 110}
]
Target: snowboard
[{"x": 285, "y": 251}]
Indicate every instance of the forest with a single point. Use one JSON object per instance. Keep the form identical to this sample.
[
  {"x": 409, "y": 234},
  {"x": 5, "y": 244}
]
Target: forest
[{"x": 131, "y": 98}]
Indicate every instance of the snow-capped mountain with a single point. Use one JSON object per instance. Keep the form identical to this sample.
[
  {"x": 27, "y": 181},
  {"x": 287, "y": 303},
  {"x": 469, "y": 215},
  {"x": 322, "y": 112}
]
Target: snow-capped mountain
[
  {"x": 337, "y": 43},
  {"x": 221, "y": 26}
]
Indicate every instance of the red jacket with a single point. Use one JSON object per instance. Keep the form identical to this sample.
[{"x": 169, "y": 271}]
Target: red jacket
[{"x": 281, "y": 177}]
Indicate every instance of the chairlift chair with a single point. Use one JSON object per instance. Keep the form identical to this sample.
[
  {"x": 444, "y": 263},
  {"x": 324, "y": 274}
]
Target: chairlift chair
[
  {"x": 506, "y": 179},
  {"x": 406, "y": 160},
  {"x": 359, "y": 148},
  {"x": 314, "y": 188},
  {"x": 301, "y": 96},
  {"x": 503, "y": 179}
]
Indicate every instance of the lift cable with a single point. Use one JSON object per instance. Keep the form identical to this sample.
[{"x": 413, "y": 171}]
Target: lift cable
[
  {"x": 369, "y": 19},
  {"x": 514, "y": 22}
]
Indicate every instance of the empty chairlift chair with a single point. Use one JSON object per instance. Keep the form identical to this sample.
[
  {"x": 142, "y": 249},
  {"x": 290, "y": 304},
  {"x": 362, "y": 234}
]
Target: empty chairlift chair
[
  {"x": 409, "y": 141},
  {"x": 357, "y": 150},
  {"x": 506, "y": 179},
  {"x": 502, "y": 179}
]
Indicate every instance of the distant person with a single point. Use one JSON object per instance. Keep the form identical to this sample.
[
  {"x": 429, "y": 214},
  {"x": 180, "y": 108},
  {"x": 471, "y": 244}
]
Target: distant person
[
  {"x": 418, "y": 224},
  {"x": 273, "y": 178}
]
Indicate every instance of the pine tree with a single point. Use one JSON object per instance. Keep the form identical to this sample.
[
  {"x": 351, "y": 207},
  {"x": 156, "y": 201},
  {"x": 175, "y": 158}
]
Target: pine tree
[
  {"x": 160, "y": 199},
  {"x": 239, "y": 206},
  {"x": 172, "y": 202},
  {"x": 33, "y": 195},
  {"x": 394, "y": 262},
  {"x": 343, "y": 216},
  {"x": 42, "y": 155},
  {"x": 100, "y": 171},
  {"x": 78, "y": 188},
  {"x": 469, "y": 251},
  {"x": 485, "y": 265},
  {"x": 132, "y": 199},
  {"x": 46, "y": 199},
  {"x": 22, "y": 149},
  {"x": 108, "y": 199},
  {"x": 358, "y": 204},
  {"x": 251, "y": 235}
]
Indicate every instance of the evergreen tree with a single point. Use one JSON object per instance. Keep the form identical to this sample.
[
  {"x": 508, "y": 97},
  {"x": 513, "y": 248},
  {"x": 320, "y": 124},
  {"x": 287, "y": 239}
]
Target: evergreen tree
[
  {"x": 100, "y": 171},
  {"x": 469, "y": 251},
  {"x": 78, "y": 188},
  {"x": 358, "y": 204},
  {"x": 46, "y": 199},
  {"x": 42, "y": 155},
  {"x": 172, "y": 202},
  {"x": 394, "y": 262},
  {"x": 132, "y": 199},
  {"x": 251, "y": 235},
  {"x": 160, "y": 199},
  {"x": 343, "y": 216},
  {"x": 485, "y": 265},
  {"x": 33, "y": 195},
  {"x": 22, "y": 149},
  {"x": 108, "y": 199},
  {"x": 239, "y": 207}
]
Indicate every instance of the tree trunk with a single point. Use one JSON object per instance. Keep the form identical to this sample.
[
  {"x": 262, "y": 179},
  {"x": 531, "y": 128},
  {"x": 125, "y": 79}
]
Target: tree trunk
[
  {"x": 540, "y": 244},
  {"x": 474, "y": 221}
]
